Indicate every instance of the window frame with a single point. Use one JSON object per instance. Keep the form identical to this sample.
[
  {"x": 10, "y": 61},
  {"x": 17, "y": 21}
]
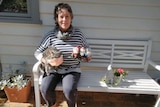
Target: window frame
[{"x": 32, "y": 16}]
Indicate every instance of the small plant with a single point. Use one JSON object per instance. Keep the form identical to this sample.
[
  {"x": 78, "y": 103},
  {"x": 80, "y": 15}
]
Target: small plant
[
  {"x": 120, "y": 72},
  {"x": 18, "y": 81},
  {"x": 15, "y": 79},
  {"x": 113, "y": 76}
]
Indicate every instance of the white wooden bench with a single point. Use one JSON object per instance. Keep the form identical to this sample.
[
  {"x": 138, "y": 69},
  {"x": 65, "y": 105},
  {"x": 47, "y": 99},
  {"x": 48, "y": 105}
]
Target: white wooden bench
[{"x": 127, "y": 54}]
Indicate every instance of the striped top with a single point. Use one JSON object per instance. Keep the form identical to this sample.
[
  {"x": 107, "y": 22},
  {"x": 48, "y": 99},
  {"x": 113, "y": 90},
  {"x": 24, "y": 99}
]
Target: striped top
[{"x": 65, "y": 46}]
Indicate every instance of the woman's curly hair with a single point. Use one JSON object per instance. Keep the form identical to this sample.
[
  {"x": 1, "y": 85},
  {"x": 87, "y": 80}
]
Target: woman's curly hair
[{"x": 60, "y": 6}]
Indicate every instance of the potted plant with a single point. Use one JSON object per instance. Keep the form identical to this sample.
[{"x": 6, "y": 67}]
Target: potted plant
[
  {"x": 113, "y": 76},
  {"x": 119, "y": 74},
  {"x": 17, "y": 87}
]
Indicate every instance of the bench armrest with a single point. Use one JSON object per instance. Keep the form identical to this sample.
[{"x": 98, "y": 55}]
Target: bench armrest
[
  {"x": 156, "y": 66},
  {"x": 36, "y": 74},
  {"x": 35, "y": 71}
]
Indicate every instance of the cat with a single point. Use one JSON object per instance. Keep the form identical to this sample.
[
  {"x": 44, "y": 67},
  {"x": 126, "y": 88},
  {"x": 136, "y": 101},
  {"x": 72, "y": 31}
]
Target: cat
[{"x": 48, "y": 54}]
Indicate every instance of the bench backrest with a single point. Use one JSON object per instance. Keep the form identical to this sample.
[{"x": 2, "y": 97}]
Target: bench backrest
[{"x": 120, "y": 53}]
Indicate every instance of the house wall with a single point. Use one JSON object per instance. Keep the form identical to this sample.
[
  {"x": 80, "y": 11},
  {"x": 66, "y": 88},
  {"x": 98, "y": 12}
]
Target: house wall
[{"x": 106, "y": 19}]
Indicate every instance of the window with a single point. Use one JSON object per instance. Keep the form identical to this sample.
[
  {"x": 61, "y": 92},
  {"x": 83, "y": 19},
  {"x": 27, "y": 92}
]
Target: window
[{"x": 19, "y": 11}]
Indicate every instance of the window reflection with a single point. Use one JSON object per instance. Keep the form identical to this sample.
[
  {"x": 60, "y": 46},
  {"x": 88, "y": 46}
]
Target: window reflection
[{"x": 13, "y": 6}]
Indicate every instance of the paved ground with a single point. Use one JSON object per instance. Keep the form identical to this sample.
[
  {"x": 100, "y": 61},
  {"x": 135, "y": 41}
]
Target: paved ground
[{"x": 31, "y": 102}]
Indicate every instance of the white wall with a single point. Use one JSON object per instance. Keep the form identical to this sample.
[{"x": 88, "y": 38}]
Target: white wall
[{"x": 107, "y": 19}]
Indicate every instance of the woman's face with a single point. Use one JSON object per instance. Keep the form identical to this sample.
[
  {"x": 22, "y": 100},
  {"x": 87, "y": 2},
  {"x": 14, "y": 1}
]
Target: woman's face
[{"x": 64, "y": 19}]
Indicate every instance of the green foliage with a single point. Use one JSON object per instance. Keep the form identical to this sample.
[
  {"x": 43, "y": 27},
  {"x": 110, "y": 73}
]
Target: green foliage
[
  {"x": 15, "y": 79},
  {"x": 120, "y": 72},
  {"x": 18, "y": 81}
]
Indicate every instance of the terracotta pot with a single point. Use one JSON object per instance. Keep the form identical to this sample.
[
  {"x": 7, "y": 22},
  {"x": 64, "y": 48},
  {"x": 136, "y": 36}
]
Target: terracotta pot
[{"x": 15, "y": 95}]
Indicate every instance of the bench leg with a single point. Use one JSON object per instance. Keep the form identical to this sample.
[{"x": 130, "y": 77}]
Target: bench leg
[
  {"x": 158, "y": 102},
  {"x": 37, "y": 94}
]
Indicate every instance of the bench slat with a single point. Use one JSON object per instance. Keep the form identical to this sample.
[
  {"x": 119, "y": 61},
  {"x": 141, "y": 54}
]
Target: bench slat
[
  {"x": 134, "y": 83},
  {"x": 119, "y": 53}
]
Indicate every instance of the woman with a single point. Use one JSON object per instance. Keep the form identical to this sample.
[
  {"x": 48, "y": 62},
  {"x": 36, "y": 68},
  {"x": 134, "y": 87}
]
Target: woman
[{"x": 65, "y": 38}]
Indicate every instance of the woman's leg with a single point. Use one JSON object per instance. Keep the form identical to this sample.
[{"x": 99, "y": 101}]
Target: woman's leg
[
  {"x": 47, "y": 88},
  {"x": 70, "y": 82}
]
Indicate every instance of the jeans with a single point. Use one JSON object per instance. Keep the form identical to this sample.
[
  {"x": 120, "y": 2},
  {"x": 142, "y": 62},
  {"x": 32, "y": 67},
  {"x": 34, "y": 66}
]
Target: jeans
[{"x": 69, "y": 85}]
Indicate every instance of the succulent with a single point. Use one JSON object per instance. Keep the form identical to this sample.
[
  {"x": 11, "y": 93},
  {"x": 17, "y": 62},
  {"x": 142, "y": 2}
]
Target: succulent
[{"x": 18, "y": 81}]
